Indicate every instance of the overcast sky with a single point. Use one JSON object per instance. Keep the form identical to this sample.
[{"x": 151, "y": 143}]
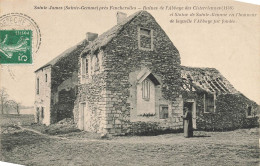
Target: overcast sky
[{"x": 233, "y": 49}]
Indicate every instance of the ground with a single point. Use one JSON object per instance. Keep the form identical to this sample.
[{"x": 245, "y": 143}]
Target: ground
[{"x": 239, "y": 147}]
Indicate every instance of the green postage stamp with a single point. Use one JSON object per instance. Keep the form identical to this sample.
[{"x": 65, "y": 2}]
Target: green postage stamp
[{"x": 15, "y": 46}]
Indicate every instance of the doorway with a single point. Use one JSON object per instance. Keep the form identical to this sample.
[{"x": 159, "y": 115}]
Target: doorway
[
  {"x": 83, "y": 117},
  {"x": 191, "y": 105},
  {"x": 42, "y": 115},
  {"x": 37, "y": 115}
]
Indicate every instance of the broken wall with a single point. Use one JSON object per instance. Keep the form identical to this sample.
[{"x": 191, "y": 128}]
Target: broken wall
[
  {"x": 64, "y": 84},
  {"x": 230, "y": 112}
]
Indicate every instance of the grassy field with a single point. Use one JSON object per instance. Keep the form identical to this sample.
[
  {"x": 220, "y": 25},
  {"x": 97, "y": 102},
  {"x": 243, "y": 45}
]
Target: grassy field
[
  {"x": 11, "y": 119},
  {"x": 239, "y": 147}
]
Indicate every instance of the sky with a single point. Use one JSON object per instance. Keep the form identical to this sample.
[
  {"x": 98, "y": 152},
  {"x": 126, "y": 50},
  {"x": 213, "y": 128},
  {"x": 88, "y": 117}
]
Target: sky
[{"x": 232, "y": 48}]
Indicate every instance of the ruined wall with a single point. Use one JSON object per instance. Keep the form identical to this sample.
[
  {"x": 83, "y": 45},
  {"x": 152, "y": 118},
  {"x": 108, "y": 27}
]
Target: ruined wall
[
  {"x": 42, "y": 100},
  {"x": 123, "y": 56},
  {"x": 230, "y": 113},
  {"x": 64, "y": 84}
]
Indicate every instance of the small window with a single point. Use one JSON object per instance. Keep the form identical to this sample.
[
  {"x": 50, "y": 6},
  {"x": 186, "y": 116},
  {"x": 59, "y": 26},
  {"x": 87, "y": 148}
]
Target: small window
[
  {"x": 146, "y": 32},
  {"x": 146, "y": 89},
  {"x": 249, "y": 111},
  {"x": 96, "y": 65},
  {"x": 86, "y": 66},
  {"x": 163, "y": 112},
  {"x": 84, "y": 69},
  {"x": 46, "y": 77},
  {"x": 145, "y": 39},
  {"x": 38, "y": 86}
]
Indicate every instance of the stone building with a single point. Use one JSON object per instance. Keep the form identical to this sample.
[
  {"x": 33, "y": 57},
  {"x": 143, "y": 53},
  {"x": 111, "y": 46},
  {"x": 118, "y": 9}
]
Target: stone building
[
  {"x": 215, "y": 103},
  {"x": 56, "y": 86},
  {"x": 130, "y": 73},
  {"x": 127, "y": 80}
]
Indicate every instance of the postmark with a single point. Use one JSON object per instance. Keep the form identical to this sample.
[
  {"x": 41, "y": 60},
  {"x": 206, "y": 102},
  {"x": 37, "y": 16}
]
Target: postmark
[{"x": 20, "y": 39}]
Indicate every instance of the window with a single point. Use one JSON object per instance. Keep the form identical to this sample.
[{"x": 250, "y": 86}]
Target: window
[
  {"x": 145, "y": 32},
  {"x": 145, "y": 39},
  {"x": 209, "y": 103},
  {"x": 249, "y": 111},
  {"x": 96, "y": 65},
  {"x": 38, "y": 86},
  {"x": 84, "y": 69},
  {"x": 146, "y": 89},
  {"x": 46, "y": 77},
  {"x": 84, "y": 66},
  {"x": 163, "y": 112}
]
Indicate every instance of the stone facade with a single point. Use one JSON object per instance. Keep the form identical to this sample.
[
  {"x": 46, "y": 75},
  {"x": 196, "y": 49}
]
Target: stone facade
[
  {"x": 110, "y": 93},
  {"x": 43, "y": 95},
  {"x": 57, "y": 94}
]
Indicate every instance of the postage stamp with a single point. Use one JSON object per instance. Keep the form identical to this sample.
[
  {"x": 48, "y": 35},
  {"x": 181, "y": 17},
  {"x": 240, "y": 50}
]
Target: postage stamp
[
  {"x": 20, "y": 39},
  {"x": 15, "y": 46}
]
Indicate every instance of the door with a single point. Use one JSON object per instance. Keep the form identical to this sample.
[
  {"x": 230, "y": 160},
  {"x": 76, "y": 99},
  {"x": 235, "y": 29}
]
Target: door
[
  {"x": 191, "y": 105},
  {"x": 37, "y": 115},
  {"x": 84, "y": 117},
  {"x": 42, "y": 115},
  {"x": 82, "y": 111}
]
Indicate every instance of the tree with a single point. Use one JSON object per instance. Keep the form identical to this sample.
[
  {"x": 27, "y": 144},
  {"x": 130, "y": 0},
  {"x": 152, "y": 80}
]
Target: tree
[
  {"x": 13, "y": 105},
  {"x": 3, "y": 98}
]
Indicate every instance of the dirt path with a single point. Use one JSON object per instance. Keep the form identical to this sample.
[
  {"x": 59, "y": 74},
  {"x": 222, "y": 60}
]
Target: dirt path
[
  {"x": 62, "y": 138},
  {"x": 42, "y": 134}
]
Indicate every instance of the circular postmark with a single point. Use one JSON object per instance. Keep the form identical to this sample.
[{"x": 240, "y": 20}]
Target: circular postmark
[{"x": 20, "y": 36}]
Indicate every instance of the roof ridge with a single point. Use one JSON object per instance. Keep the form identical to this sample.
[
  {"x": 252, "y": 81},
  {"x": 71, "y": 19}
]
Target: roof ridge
[
  {"x": 61, "y": 55},
  {"x": 108, "y": 35}
]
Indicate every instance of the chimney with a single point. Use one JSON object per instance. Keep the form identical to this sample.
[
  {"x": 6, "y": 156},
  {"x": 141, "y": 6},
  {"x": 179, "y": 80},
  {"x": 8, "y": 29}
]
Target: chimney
[
  {"x": 120, "y": 17},
  {"x": 91, "y": 36}
]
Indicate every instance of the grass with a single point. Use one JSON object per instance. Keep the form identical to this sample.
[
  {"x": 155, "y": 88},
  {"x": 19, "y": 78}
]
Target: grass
[
  {"x": 11, "y": 119},
  {"x": 239, "y": 147}
]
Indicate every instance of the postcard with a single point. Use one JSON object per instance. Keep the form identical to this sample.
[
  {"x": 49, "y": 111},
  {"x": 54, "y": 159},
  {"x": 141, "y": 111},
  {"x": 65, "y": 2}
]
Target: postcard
[{"x": 129, "y": 82}]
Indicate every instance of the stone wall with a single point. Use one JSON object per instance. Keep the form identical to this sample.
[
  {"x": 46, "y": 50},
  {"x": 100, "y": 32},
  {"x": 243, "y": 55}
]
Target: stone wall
[
  {"x": 64, "y": 84},
  {"x": 42, "y": 100},
  {"x": 230, "y": 112},
  {"x": 93, "y": 93},
  {"x": 122, "y": 56}
]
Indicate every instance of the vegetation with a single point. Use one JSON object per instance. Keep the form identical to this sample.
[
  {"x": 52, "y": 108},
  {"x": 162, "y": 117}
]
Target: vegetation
[{"x": 8, "y": 104}]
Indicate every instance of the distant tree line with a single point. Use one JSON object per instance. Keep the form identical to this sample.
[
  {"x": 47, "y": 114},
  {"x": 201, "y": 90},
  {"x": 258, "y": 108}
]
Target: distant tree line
[{"x": 7, "y": 104}]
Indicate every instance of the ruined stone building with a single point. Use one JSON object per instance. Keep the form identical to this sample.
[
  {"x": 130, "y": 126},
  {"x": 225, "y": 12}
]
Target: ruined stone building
[
  {"x": 129, "y": 80},
  {"x": 215, "y": 103}
]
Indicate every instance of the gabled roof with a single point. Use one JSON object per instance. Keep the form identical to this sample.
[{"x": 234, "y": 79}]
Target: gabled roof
[
  {"x": 99, "y": 42},
  {"x": 205, "y": 79},
  {"x": 63, "y": 54},
  {"x": 107, "y": 36}
]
